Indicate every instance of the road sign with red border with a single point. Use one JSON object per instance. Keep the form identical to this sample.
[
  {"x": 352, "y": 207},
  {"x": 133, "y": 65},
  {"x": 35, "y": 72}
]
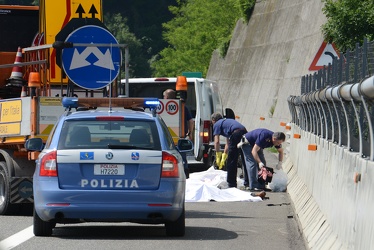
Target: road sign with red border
[
  {"x": 169, "y": 111},
  {"x": 160, "y": 108},
  {"x": 172, "y": 107},
  {"x": 325, "y": 55}
]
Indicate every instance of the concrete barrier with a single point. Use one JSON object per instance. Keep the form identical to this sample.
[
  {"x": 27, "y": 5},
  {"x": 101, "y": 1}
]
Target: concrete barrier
[{"x": 332, "y": 190}]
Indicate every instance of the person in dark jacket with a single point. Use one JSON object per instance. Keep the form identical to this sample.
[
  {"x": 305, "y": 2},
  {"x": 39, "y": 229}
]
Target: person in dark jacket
[
  {"x": 252, "y": 145},
  {"x": 233, "y": 131}
]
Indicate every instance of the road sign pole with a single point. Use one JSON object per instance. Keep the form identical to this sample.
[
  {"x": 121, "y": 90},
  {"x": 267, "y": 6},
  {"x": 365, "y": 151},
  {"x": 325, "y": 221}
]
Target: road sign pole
[{"x": 127, "y": 72}]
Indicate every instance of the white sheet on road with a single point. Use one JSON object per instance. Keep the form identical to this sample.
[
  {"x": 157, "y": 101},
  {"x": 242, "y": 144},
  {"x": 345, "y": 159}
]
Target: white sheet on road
[{"x": 203, "y": 187}]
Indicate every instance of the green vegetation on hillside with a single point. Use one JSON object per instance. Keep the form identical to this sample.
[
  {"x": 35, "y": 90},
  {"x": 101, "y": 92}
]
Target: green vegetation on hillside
[
  {"x": 348, "y": 22},
  {"x": 197, "y": 29}
]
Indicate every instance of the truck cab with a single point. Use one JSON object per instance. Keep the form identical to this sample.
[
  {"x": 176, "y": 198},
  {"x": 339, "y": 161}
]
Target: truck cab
[{"x": 203, "y": 99}]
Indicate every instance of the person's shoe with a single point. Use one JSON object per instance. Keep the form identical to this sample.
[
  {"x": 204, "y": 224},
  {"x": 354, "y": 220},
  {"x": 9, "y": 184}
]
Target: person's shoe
[
  {"x": 267, "y": 188},
  {"x": 256, "y": 189}
]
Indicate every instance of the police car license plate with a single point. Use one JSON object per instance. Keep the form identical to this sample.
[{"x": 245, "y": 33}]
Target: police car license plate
[{"x": 109, "y": 169}]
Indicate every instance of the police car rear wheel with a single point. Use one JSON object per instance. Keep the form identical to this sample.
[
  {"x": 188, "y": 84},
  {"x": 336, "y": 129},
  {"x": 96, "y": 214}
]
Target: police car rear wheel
[
  {"x": 176, "y": 228},
  {"x": 42, "y": 228}
]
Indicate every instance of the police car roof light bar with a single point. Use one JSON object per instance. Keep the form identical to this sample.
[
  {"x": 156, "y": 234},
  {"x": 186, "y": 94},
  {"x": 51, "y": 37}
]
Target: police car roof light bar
[
  {"x": 70, "y": 102},
  {"x": 151, "y": 103},
  {"x": 128, "y": 103}
]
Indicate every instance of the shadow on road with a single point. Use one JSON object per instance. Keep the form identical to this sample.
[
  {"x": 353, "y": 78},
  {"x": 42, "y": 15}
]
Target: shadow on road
[{"x": 143, "y": 232}]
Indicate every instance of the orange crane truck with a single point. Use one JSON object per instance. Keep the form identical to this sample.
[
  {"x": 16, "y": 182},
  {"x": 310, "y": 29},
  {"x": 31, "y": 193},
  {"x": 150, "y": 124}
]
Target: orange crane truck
[{"x": 70, "y": 52}]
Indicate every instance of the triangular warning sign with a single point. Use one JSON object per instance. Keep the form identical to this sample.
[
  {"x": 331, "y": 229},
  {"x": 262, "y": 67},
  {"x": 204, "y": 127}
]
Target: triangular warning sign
[{"x": 326, "y": 53}]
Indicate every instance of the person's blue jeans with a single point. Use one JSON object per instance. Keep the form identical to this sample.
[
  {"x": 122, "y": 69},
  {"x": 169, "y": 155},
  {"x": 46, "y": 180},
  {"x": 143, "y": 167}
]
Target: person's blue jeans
[{"x": 251, "y": 173}]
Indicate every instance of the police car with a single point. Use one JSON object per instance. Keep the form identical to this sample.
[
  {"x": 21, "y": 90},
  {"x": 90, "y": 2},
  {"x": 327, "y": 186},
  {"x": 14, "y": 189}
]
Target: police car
[{"x": 103, "y": 165}]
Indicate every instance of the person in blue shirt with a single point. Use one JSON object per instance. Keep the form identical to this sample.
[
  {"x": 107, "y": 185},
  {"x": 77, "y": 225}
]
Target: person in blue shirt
[
  {"x": 233, "y": 131},
  {"x": 252, "y": 145}
]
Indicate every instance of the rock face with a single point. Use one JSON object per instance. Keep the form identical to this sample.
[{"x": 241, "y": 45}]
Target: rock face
[{"x": 266, "y": 60}]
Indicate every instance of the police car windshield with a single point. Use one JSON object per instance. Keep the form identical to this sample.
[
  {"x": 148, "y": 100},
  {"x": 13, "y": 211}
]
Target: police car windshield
[{"x": 103, "y": 134}]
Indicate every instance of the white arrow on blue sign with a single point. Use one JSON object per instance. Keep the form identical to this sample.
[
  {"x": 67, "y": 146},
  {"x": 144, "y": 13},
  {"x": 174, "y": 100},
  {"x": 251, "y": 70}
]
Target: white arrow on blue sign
[{"x": 92, "y": 67}]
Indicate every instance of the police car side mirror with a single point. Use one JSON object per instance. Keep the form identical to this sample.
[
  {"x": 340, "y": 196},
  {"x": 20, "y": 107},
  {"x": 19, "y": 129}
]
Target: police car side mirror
[
  {"x": 184, "y": 145},
  {"x": 34, "y": 144}
]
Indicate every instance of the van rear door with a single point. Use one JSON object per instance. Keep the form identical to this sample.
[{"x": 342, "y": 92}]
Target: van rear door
[
  {"x": 199, "y": 124},
  {"x": 216, "y": 98}
]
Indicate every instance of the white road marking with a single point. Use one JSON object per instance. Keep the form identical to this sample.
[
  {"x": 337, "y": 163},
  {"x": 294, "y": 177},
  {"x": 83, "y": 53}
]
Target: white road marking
[{"x": 17, "y": 239}]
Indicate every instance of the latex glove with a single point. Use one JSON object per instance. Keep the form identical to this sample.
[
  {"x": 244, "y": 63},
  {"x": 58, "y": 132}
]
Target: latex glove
[
  {"x": 223, "y": 161},
  {"x": 242, "y": 141},
  {"x": 261, "y": 165},
  {"x": 279, "y": 165},
  {"x": 218, "y": 158}
]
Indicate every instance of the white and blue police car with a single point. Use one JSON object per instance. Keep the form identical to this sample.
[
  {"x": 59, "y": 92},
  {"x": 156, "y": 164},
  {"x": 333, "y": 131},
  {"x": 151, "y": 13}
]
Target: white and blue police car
[{"x": 111, "y": 164}]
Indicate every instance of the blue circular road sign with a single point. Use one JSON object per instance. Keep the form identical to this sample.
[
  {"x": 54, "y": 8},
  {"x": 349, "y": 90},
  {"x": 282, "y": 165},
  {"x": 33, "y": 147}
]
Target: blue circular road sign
[{"x": 90, "y": 66}]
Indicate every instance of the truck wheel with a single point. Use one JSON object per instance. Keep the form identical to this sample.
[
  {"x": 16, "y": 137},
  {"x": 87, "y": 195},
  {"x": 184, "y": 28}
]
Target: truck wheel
[
  {"x": 5, "y": 206},
  {"x": 42, "y": 228},
  {"x": 176, "y": 228}
]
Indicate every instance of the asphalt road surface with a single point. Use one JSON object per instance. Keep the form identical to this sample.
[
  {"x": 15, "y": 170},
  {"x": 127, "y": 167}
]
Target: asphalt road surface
[{"x": 270, "y": 224}]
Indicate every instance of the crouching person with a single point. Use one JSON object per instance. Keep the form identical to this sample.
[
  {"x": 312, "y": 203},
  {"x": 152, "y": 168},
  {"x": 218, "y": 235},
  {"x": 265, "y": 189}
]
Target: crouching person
[{"x": 252, "y": 144}]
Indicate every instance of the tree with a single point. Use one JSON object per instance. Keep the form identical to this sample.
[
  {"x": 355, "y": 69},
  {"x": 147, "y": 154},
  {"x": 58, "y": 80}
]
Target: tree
[
  {"x": 198, "y": 28},
  {"x": 348, "y": 22},
  {"x": 144, "y": 19},
  {"x": 116, "y": 24}
]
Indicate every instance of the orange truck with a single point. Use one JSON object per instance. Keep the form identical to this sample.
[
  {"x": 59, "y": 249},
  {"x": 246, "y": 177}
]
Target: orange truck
[{"x": 43, "y": 51}]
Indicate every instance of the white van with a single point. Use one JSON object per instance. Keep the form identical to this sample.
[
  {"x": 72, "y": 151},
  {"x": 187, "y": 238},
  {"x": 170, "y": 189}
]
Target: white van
[{"x": 203, "y": 99}]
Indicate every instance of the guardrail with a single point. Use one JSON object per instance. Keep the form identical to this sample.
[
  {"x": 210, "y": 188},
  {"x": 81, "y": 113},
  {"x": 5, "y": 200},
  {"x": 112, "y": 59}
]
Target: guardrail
[{"x": 336, "y": 103}]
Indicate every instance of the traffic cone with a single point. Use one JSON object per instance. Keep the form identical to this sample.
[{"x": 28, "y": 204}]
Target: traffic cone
[
  {"x": 16, "y": 78},
  {"x": 23, "y": 91}
]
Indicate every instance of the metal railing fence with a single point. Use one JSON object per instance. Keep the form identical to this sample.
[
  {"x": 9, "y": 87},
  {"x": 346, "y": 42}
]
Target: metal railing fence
[{"x": 336, "y": 103}]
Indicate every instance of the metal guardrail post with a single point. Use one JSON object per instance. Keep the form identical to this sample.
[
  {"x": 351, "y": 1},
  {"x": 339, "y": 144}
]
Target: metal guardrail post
[
  {"x": 302, "y": 112},
  {"x": 324, "y": 125},
  {"x": 328, "y": 102},
  {"x": 366, "y": 88},
  {"x": 356, "y": 95},
  {"x": 345, "y": 93},
  {"x": 335, "y": 99},
  {"x": 309, "y": 113}
]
